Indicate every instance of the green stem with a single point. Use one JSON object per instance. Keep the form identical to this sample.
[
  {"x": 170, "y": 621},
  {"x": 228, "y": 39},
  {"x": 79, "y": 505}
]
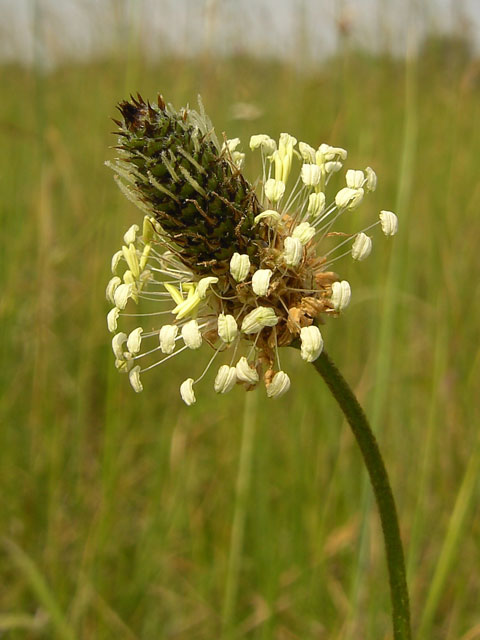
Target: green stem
[{"x": 381, "y": 487}]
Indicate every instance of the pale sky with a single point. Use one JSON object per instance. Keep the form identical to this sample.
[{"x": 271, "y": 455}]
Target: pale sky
[{"x": 56, "y": 31}]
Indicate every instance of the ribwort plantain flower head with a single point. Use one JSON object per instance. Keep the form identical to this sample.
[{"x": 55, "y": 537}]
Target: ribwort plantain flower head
[{"x": 220, "y": 263}]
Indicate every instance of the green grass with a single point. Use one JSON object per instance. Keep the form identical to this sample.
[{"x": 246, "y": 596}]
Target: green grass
[{"x": 117, "y": 509}]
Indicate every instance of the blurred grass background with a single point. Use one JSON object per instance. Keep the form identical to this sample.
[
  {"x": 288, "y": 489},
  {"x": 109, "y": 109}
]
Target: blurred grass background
[{"x": 116, "y": 509}]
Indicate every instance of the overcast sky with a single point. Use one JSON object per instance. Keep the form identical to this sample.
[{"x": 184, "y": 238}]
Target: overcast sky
[{"x": 56, "y": 31}]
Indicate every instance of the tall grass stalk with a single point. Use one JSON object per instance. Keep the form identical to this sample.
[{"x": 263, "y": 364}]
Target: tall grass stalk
[
  {"x": 450, "y": 548},
  {"x": 428, "y": 456},
  {"x": 44, "y": 594},
  {"x": 240, "y": 512}
]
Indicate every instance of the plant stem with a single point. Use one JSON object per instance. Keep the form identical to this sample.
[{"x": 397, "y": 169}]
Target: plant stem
[{"x": 381, "y": 487}]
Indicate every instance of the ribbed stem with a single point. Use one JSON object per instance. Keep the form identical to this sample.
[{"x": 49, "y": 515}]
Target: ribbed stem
[{"x": 383, "y": 493}]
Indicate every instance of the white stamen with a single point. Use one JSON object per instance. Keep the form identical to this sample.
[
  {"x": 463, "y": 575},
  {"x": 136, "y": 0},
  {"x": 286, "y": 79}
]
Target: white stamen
[
  {"x": 307, "y": 152},
  {"x": 304, "y": 232},
  {"x": 286, "y": 142},
  {"x": 354, "y": 179},
  {"x": 113, "y": 283},
  {"x": 259, "y": 318},
  {"x": 329, "y": 153},
  {"x": 238, "y": 159},
  {"x": 361, "y": 247},
  {"x": 267, "y": 144},
  {"x": 226, "y": 379},
  {"x": 274, "y": 189},
  {"x": 293, "y": 251},
  {"x": 134, "y": 340},
  {"x": 187, "y": 393},
  {"x": 348, "y": 198},
  {"x": 389, "y": 222},
  {"x": 332, "y": 167},
  {"x": 371, "y": 181},
  {"x": 311, "y": 174},
  {"x": 191, "y": 335},
  {"x": 116, "y": 259},
  {"x": 118, "y": 341},
  {"x": 245, "y": 373},
  {"x": 112, "y": 318},
  {"x": 261, "y": 281},
  {"x": 312, "y": 343},
  {"x": 227, "y": 328},
  {"x": 239, "y": 266},
  {"x": 129, "y": 278},
  {"x": 122, "y": 293},
  {"x": 134, "y": 377},
  {"x": 131, "y": 234},
  {"x": 341, "y": 294},
  {"x": 203, "y": 285},
  {"x": 231, "y": 145},
  {"x": 316, "y": 203},
  {"x": 269, "y": 214},
  {"x": 167, "y": 336},
  {"x": 279, "y": 385}
]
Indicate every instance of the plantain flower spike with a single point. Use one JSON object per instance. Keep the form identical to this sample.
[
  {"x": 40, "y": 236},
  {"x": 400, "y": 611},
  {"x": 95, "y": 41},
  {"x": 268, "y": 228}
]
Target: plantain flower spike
[{"x": 221, "y": 263}]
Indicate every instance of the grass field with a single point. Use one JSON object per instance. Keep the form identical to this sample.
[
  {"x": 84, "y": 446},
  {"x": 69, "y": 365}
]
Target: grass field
[{"x": 117, "y": 509}]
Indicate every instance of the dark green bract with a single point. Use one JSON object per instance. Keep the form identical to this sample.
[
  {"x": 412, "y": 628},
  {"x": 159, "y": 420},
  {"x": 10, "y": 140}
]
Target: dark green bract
[{"x": 177, "y": 170}]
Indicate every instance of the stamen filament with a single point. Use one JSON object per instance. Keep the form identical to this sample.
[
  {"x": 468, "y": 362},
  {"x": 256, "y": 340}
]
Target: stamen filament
[{"x": 155, "y": 364}]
